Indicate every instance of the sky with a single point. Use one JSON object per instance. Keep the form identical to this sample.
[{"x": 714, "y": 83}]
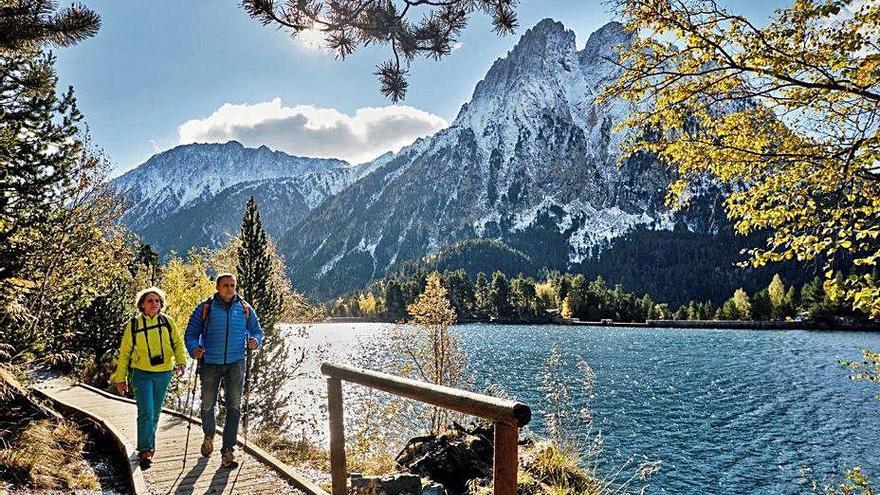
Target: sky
[{"x": 162, "y": 73}]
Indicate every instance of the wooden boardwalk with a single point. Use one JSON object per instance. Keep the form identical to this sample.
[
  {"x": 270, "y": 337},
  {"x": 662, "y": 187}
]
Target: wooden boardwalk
[{"x": 258, "y": 472}]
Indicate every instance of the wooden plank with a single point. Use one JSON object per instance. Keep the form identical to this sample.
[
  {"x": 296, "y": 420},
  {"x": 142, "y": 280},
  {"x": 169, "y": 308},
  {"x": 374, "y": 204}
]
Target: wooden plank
[
  {"x": 480, "y": 405},
  {"x": 217, "y": 479},
  {"x": 279, "y": 477},
  {"x": 195, "y": 472},
  {"x": 285, "y": 471}
]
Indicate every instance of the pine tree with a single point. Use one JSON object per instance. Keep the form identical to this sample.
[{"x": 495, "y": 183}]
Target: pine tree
[
  {"x": 482, "y": 296},
  {"x": 727, "y": 311},
  {"x": 410, "y": 28},
  {"x": 792, "y": 302},
  {"x": 562, "y": 287},
  {"x": 761, "y": 306},
  {"x": 707, "y": 310},
  {"x": 693, "y": 311},
  {"x": 269, "y": 370},
  {"x": 395, "y": 306},
  {"x": 681, "y": 313},
  {"x": 499, "y": 294},
  {"x": 148, "y": 260},
  {"x": 32, "y": 23},
  {"x": 39, "y": 151}
]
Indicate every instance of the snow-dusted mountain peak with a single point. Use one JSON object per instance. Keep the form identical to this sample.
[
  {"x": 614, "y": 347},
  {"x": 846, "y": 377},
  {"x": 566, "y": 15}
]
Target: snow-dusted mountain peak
[
  {"x": 192, "y": 173},
  {"x": 540, "y": 51},
  {"x": 604, "y": 41},
  {"x": 531, "y": 160},
  {"x": 548, "y": 37}
]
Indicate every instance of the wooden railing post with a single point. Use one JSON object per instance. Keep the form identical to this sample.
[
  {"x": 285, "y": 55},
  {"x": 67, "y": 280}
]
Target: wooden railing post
[
  {"x": 338, "y": 473},
  {"x": 506, "y": 458},
  {"x": 509, "y": 417}
]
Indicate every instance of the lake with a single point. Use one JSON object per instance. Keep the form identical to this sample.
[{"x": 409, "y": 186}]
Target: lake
[{"x": 725, "y": 411}]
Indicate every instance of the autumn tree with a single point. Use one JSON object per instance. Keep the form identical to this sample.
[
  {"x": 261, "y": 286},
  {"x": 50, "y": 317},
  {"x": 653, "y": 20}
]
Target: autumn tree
[
  {"x": 743, "y": 304},
  {"x": 785, "y": 112},
  {"x": 433, "y": 353},
  {"x": 58, "y": 248},
  {"x": 776, "y": 292}
]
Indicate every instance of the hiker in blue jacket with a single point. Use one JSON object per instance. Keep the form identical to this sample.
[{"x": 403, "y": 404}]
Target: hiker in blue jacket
[{"x": 217, "y": 333}]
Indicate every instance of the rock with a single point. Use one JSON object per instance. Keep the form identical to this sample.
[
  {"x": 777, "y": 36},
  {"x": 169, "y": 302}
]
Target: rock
[
  {"x": 397, "y": 484},
  {"x": 452, "y": 458},
  {"x": 433, "y": 489}
]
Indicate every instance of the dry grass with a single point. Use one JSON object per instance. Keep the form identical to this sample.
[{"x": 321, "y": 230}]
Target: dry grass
[
  {"x": 294, "y": 452},
  {"x": 48, "y": 456},
  {"x": 553, "y": 470}
]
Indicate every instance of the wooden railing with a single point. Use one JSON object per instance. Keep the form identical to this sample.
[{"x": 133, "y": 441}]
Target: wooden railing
[{"x": 508, "y": 416}]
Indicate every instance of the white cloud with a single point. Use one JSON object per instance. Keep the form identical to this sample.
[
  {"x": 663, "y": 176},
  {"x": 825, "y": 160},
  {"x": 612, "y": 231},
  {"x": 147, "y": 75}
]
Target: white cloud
[{"x": 305, "y": 130}]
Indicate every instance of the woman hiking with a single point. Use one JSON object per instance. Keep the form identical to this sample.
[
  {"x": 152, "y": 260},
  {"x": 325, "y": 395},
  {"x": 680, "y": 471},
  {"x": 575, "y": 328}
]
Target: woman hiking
[{"x": 151, "y": 346}]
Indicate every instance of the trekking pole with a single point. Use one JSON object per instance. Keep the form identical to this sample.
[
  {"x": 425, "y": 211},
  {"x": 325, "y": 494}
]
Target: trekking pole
[
  {"x": 245, "y": 410},
  {"x": 192, "y": 400}
]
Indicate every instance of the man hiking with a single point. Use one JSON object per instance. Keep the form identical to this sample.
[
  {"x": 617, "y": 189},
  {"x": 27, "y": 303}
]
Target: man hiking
[{"x": 217, "y": 333}]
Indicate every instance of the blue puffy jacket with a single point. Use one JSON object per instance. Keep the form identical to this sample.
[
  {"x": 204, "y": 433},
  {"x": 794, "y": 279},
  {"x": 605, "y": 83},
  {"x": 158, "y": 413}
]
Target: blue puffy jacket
[{"x": 224, "y": 332}]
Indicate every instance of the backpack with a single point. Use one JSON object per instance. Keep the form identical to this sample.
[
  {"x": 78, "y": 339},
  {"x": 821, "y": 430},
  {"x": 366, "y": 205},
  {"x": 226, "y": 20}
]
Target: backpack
[{"x": 206, "y": 311}]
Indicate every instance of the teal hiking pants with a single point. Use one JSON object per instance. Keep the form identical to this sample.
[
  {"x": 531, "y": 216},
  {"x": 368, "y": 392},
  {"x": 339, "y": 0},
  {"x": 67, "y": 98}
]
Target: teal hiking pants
[{"x": 149, "y": 389}]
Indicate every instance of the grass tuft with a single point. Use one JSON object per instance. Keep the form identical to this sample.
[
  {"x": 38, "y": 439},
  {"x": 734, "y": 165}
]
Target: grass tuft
[{"x": 48, "y": 456}]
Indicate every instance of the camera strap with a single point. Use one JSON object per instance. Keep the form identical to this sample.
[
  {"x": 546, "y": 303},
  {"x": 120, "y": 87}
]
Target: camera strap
[{"x": 161, "y": 323}]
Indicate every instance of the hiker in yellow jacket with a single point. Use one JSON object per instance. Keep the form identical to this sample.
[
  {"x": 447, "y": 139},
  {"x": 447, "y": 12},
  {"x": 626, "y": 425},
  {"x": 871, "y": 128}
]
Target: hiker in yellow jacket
[{"x": 149, "y": 341}]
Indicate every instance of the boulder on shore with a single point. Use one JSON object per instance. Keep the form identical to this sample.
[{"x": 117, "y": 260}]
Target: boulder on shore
[{"x": 452, "y": 458}]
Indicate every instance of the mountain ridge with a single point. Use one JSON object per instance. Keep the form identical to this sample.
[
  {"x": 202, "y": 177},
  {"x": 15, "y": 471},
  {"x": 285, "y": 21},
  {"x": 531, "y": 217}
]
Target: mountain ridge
[
  {"x": 531, "y": 156},
  {"x": 206, "y": 183}
]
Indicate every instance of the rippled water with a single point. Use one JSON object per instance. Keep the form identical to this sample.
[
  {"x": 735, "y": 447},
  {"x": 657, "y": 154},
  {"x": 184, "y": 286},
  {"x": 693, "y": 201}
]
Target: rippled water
[{"x": 726, "y": 411}]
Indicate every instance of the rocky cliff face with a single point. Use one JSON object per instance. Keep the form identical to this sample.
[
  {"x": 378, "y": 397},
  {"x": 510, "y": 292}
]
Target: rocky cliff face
[{"x": 531, "y": 160}]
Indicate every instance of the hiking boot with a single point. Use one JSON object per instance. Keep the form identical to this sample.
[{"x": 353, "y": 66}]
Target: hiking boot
[
  {"x": 227, "y": 459},
  {"x": 208, "y": 445},
  {"x": 145, "y": 459}
]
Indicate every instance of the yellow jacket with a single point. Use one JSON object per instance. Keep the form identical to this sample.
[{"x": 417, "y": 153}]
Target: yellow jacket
[{"x": 135, "y": 350}]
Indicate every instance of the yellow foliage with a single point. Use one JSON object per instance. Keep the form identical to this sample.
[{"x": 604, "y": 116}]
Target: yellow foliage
[
  {"x": 368, "y": 304},
  {"x": 545, "y": 291},
  {"x": 785, "y": 113},
  {"x": 430, "y": 351},
  {"x": 566, "y": 308},
  {"x": 432, "y": 308},
  {"x": 186, "y": 284}
]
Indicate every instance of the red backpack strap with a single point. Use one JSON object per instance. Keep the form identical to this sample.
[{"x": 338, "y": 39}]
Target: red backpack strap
[
  {"x": 247, "y": 309},
  {"x": 206, "y": 309}
]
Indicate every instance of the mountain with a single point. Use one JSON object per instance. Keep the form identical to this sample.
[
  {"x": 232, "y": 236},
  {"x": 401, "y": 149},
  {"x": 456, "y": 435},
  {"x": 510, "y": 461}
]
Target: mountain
[
  {"x": 194, "y": 195},
  {"x": 531, "y": 161}
]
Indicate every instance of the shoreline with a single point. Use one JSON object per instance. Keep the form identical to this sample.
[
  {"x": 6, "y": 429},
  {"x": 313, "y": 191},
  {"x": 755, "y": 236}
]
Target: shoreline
[{"x": 693, "y": 324}]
